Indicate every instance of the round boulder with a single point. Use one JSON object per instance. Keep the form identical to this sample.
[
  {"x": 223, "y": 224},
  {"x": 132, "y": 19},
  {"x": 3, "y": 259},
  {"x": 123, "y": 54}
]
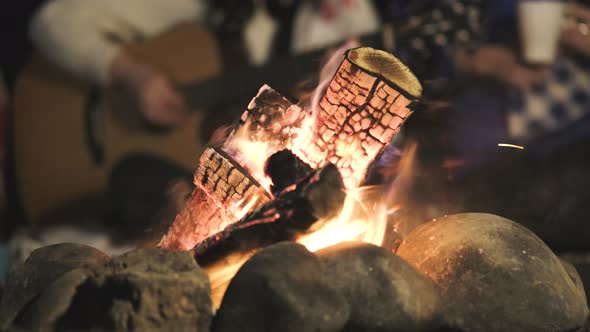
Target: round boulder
[
  {"x": 143, "y": 290},
  {"x": 281, "y": 288},
  {"x": 53, "y": 302},
  {"x": 495, "y": 275},
  {"x": 384, "y": 292},
  {"x": 44, "y": 266}
]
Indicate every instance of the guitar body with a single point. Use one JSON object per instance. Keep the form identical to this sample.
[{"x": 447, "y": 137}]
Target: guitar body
[{"x": 58, "y": 174}]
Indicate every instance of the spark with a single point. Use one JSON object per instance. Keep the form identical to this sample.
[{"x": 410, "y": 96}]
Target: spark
[{"x": 514, "y": 146}]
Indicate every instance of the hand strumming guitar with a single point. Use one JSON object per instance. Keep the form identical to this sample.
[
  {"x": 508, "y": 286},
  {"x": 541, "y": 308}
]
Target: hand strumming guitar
[
  {"x": 159, "y": 101},
  {"x": 88, "y": 39}
]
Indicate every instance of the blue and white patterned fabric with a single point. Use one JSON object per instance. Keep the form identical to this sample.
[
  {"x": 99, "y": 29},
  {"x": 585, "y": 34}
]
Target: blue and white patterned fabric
[{"x": 552, "y": 106}]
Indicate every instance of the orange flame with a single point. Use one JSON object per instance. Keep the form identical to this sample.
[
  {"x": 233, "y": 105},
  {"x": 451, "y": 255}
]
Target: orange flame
[
  {"x": 256, "y": 153},
  {"x": 366, "y": 211}
]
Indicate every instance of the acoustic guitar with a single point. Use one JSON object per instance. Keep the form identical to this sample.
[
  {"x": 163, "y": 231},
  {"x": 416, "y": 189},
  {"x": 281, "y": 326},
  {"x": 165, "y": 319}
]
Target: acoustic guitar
[{"x": 68, "y": 137}]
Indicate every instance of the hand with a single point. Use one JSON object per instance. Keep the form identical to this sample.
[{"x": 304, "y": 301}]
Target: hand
[
  {"x": 499, "y": 63},
  {"x": 575, "y": 34},
  {"x": 160, "y": 103}
]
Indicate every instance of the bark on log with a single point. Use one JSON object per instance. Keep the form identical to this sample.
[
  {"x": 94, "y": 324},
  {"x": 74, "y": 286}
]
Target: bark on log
[
  {"x": 223, "y": 189},
  {"x": 364, "y": 106},
  {"x": 270, "y": 118},
  {"x": 227, "y": 180}
]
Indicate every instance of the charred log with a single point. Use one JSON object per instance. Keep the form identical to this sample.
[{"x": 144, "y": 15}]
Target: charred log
[
  {"x": 285, "y": 169},
  {"x": 364, "y": 106},
  {"x": 223, "y": 189},
  {"x": 320, "y": 195}
]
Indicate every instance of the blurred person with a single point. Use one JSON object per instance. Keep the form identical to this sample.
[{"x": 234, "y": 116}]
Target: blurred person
[
  {"x": 494, "y": 96},
  {"x": 497, "y": 96},
  {"x": 545, "y": 108},
  {"x": 318, "y": 24},
  {"x": 86, "y": 37}
]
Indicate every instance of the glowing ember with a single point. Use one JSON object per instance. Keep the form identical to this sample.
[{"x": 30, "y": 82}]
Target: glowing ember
[{"x": 514, "y": 146}]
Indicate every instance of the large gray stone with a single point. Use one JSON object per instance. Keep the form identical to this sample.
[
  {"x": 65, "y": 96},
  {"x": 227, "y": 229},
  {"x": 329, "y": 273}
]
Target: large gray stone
[
  {"x": 281, "y": 288},
  {"x": 45, "y": 265},
  {"x": 53, "y": 302},
  {"x": 495, "y": 275},
  {"x": 144, "y": 290},
  {"x": 385, "y": 293}
]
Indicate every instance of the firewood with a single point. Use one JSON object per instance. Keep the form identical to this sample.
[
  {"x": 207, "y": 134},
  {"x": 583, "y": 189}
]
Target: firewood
[
  {"x": 318, "y": 196},
  {"x": 364, "y": 106},
  {"x": 225, "y": 182},
  {"x": 223, "y": 189},
  {"x": 285, "y": 169},
  {"x": 271, "y": 119}
]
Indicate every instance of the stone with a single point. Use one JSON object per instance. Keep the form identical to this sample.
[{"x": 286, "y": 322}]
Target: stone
[
  {"x": 495, "y": 275},
  {"x": 45, "y": 265},
  {"x": 384, "y": 292},
  {"x": 581, "y": 264},
  {"x": 574, "y": 276},
  {"x": 281, "y": 288},
  {"x": 53, "y": 302},
  {"x": 144, "y": 290}
]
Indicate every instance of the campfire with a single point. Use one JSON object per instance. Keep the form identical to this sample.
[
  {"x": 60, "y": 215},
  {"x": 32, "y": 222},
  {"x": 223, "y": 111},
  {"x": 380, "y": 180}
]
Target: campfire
[
  {"x": 293, "y": 238},
  {"x": 288, "y": 170},
  {"x": 360, "y": 112}
]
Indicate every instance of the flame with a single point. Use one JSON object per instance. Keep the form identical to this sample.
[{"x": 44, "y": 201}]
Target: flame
[
  {"x": 251, "y": 154},
  {"x": 368, "y": 213},
  {"x": 327, "y": 72},
  {"x": 243, "y": 206},
  {"x": 221, "y": 273},
  {"x": 361, "y": 218},
  {"x": 367, "y": 210}
]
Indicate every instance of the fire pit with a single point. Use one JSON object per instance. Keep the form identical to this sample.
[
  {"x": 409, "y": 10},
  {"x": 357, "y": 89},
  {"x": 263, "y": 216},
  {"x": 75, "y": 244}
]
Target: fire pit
[{"x": 282, "y": 234}]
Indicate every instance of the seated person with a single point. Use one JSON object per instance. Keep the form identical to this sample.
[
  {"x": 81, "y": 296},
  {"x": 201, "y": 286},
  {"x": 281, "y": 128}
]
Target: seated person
[
  {"x": 85, "y": 38},
  {"x": 495, "y": 97}
]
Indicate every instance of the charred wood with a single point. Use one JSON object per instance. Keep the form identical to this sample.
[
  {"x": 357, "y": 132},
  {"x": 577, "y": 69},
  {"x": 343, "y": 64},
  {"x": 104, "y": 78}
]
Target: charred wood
[{"x": 320, "y": 195}]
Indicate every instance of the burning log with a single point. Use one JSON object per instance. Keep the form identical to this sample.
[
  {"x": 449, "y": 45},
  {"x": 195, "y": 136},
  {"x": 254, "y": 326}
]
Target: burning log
[
  {"x": 364, "y": 106},
  {"x": 223, "y": 189},
  {"x": 285, "y": 169},
  {"x": 270, "y": 119},
  {"x": 228, "y": 182},
  {"x": 320, "y": 195}
]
